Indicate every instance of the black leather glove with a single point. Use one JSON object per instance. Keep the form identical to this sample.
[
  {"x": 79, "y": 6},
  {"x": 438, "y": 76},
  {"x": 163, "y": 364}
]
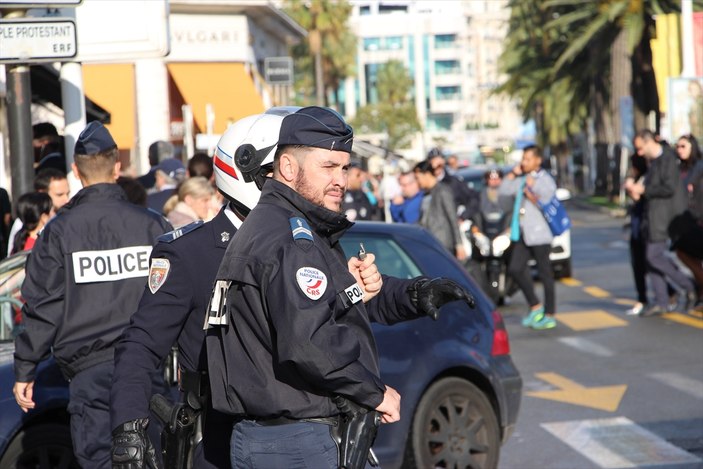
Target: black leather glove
[
  {"x": 131, "y": 448},
  {"x": 430, "y": 295}
]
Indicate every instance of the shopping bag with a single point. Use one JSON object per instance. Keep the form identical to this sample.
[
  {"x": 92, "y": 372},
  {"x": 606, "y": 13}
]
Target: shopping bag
[{"x": 556, "y": 216}]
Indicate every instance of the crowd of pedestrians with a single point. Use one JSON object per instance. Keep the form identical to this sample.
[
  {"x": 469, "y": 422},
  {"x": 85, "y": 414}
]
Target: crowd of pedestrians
[{"x": 665, "y": 185}]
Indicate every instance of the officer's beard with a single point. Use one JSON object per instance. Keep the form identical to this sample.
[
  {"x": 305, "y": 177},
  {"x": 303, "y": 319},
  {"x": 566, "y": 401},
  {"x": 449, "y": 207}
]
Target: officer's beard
[{"x": 314, "y": 195}]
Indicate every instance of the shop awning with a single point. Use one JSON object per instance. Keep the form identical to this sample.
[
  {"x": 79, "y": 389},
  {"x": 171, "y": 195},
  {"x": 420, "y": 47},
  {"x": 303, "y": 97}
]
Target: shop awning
[
  {"x": 227, "y": 87},
  {"x": 46, "y": 86}
]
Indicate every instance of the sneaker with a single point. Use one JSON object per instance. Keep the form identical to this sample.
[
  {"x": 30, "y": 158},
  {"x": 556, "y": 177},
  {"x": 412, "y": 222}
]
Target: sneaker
[
  {"x": 546, "y": 322},
  {"x": 691, "y": 300},
  {"x": 653, "y": 311},
  {"x": 535, "y": 315},
  {"x": 636, "y": 310}
]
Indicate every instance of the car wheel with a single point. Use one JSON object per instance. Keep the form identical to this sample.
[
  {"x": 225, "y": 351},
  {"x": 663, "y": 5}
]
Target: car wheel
[
  {"x": 44, "y": 446},
  {"x": 454, "y": 426},
  {"x": 562, "y": 269}
]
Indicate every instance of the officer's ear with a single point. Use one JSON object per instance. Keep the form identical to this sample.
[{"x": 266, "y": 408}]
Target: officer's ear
[
  {"x": 288, "y": 167},
  {"x": 116, "y": 170}
]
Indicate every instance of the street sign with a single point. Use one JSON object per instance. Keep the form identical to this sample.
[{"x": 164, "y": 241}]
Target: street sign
[
  {"x": 278, "y": 70},
  {"x": 32, "y": 40},
  {"x": 38, "y": 3}
]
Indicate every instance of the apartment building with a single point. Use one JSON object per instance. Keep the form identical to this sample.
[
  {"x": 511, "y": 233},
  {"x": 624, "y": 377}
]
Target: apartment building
[{"x": 451, "y": 51}]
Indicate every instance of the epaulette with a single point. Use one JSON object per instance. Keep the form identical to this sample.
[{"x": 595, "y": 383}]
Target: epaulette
[
  {"x": 175, "y": 234},
  {"x": 300, "y": 229}
]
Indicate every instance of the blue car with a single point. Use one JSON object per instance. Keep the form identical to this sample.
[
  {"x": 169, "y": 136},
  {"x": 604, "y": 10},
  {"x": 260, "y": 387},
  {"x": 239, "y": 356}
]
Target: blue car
[{"x": 460, "y": 389}]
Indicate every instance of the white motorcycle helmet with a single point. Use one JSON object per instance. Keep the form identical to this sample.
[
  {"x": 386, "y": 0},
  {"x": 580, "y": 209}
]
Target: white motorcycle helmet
[{"x": 244, "y": 156}]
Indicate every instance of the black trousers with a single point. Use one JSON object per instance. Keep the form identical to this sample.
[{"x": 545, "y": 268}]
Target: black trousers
[
  {"x": 638, "y": 259},
  {"x": 520, "y": 271}
]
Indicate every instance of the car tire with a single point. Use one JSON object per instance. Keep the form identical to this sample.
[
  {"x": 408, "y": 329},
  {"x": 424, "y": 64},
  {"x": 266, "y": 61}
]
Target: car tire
[
  {"x": 562, "y": 269},
  {"x": 43, "y": 446},
  {"x": 454, "y": 426}
]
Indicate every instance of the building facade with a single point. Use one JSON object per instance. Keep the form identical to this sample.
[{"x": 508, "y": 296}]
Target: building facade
[{"x": 450, "y": 49}]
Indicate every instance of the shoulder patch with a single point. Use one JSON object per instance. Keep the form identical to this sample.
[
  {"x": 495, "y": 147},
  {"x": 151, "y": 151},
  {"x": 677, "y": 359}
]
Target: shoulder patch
[
  {"x": 158, "y": 272},
  {"x": 300, "y": 229},
  {"x": 312, "y": 282},
  {"x": 175, "y": 234}
]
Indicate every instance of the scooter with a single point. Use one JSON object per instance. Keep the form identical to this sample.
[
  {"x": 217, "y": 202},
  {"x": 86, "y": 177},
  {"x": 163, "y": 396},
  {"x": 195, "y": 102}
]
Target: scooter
[{"x": 492, "y": 250}]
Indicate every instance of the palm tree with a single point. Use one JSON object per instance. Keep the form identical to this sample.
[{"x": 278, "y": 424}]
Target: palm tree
[
  {"x": 395, "y": 112},
  {"x": 330, "y": 48}
]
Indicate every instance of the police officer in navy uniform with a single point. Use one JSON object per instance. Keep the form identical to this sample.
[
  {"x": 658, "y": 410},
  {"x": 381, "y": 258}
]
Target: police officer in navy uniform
[
  {"x": 172, "y": 309},
  {"x": 293, "y": 334},
  {"x": 85, "y": 276}
]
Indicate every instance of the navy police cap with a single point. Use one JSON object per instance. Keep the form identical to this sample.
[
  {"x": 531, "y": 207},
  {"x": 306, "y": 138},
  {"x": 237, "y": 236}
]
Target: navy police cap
[
  {"x": 315, "y": 126},
  {"x": 95, "y": 138}
]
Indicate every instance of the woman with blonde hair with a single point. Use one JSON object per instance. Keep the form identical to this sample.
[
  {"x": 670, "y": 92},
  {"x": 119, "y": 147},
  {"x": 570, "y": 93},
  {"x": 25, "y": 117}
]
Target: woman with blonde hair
[{"x": 192, "y": 202}]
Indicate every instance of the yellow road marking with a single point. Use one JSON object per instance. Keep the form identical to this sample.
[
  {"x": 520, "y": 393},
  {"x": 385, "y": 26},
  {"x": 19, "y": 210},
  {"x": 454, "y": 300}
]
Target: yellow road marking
[
  {"x": 625, "y": 302},
  {"x": 597, "y": 292},
  {"x": 600, "y": 397},
  {"x": 571, "y": 282},
  {"x": 589, "y": 320},
  {"x": 684, "y": 319}
]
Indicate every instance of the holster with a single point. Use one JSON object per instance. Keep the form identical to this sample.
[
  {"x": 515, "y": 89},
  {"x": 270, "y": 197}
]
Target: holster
[
  {"x": 355, "y": 434},
  {"x": 179, "y": 426}
]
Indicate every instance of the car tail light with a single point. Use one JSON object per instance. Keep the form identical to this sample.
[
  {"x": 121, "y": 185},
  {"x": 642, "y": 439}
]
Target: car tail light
[{"x": 501, "y": 343}]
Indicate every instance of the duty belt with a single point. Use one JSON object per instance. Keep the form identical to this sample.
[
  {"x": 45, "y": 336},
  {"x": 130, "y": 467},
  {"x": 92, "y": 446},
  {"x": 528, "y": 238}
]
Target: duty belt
[
  {"x": 331, "y": 421},
  {"x": 195, "y": 382}
]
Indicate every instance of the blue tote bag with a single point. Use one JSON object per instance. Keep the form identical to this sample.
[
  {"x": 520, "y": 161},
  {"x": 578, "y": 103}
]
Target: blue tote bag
[{"x": 556, "y": 216}]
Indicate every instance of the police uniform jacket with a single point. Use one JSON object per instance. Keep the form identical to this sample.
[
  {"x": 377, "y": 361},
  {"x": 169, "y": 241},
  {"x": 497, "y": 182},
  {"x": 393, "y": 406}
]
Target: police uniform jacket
[
  {"x": 297, "y": 332},
  {"x": 172, "y": 308},
  {"x": 84, "y": 279}
]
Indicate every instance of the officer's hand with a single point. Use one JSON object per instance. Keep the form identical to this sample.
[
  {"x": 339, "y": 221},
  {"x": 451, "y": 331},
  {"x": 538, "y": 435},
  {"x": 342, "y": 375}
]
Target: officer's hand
[
  {"x": 430, "y": 295},
  {"x": 23, "y": 395},
  {"x": 367, "y": 275},
  {"x": 390, "y": 407},
  {"x": 131, "y": 448}
]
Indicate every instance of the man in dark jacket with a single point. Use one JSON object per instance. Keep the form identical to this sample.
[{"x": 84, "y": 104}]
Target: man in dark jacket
[
  {"x": 292, "y": 338},
  {"x": 84, "y": 279},
  {"x": 665, "y": 199}
]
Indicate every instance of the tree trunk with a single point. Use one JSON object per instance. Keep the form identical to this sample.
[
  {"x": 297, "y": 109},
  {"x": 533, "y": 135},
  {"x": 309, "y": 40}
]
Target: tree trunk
[{"x": 644, "y": 83}]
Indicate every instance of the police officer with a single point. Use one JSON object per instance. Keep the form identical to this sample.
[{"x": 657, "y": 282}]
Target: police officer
[
  {"x": 294, "y": 334},
  {"x": 84, "y": 279},
  {"x": 182, "y": 270}
]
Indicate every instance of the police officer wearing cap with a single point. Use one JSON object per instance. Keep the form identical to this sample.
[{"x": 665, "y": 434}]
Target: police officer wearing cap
[
  {"x": 84, "y": 279},
  {"x": 172, "y": 309},
  {"x": 293, "y": 338}
]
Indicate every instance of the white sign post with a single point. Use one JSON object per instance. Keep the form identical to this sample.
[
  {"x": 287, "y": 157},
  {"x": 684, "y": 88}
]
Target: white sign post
[{"x": 37, "y": 40}]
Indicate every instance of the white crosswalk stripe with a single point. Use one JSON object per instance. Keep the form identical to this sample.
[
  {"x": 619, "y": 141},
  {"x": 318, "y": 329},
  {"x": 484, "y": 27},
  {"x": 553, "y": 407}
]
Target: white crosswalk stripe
[{"x": 618, "y": 443}]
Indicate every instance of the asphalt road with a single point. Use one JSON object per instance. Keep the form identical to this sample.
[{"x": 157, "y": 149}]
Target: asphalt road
[{"x": 603, "y": 389}]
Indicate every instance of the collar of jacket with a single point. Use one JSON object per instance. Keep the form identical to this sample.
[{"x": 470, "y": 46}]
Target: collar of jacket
[
  {"x": 324, "y": 222},
  {"x": 100, "y": 191}
]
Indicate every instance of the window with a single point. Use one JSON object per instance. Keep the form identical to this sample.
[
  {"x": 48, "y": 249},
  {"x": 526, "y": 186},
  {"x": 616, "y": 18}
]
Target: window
[
  {"x": 394, "y": 42},
  {"x": 444, "y": 41},
  {"x": 391, "y": 259},
  {"x": 440, "y": 122},
  {"x": 372, "y": 43},
  {"x": 444, "y": 93},
  {"x": 364, "y": 10},
  {"x": 446, "y": 67}
]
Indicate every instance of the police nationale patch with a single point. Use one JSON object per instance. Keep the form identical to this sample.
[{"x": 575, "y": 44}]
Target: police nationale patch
[
  {"x": 158, "y": 272},
  {"x": 312, "y": 282}
]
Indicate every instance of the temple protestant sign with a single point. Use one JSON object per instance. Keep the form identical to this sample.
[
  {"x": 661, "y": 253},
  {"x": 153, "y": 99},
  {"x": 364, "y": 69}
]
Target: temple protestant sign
[{"x": 36, "y": 40}]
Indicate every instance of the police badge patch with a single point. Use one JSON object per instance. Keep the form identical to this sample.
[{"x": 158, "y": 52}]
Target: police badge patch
[
  {"x": 312, "y": 282},
  {"x": 158, "y": 272}
]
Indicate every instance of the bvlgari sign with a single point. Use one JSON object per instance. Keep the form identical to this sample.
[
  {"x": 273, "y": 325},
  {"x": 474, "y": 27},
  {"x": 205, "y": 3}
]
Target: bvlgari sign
[{"x": 209, "y": 38}]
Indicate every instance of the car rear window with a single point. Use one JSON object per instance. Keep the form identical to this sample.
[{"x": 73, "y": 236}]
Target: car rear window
[{"x": 391, "y": 259}]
